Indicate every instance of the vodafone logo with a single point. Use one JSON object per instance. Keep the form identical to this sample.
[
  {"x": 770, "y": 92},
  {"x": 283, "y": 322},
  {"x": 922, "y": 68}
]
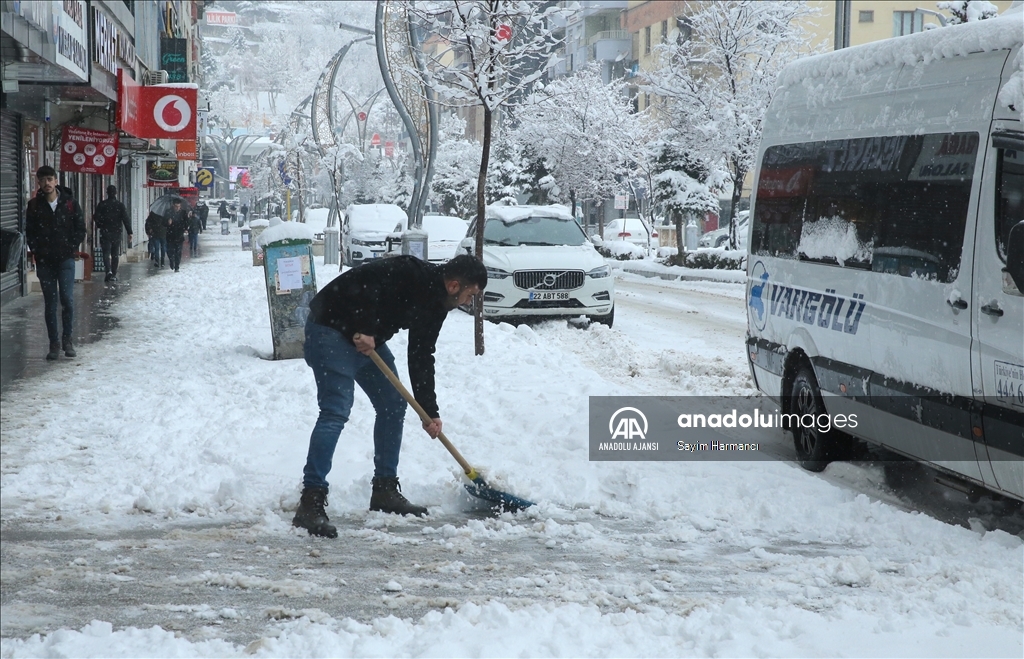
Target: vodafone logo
[{"x": 172, "y": 113}]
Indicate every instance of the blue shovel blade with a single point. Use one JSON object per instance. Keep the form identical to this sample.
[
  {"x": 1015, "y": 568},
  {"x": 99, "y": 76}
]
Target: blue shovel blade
[{"x": 508, "y": 502}]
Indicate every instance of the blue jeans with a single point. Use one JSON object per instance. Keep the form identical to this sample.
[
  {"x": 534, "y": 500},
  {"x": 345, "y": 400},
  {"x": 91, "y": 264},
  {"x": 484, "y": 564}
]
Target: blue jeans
[
  {"x": 58, "y": 284},
  {"x": 159, "y": 249},
  {"x": 337, "y": 365},
  {"x": 193, "y": 244}
]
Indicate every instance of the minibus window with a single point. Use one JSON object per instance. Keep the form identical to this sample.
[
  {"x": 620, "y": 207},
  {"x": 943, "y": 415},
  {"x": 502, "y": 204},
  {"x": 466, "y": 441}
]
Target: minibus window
[
  {"x": 1009, "y": 195},
  {"x": 891, "y": 204}
]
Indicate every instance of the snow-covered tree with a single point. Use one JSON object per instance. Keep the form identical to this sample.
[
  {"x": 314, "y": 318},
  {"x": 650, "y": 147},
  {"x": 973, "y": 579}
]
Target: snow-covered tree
[
  {"x": 683, "y": 186},
  {"x": 716, "y": 85},
  {"x": 453, "y": 188},
  {"x": 967, "y": 11},
  {"x": 580, "y": 127},
  {"x": 501, "y": 48}
]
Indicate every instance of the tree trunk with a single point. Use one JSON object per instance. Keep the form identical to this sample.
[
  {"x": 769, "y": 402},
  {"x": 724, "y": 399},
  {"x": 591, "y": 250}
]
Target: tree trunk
[
  {"x": 481, "y": 218},
  {"x": 572, "y": 198},
  {"x": 737, "y": 192}
]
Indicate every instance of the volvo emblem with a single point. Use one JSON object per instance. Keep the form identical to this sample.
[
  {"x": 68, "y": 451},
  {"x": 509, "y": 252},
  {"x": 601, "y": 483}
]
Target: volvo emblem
[{"x": 550, "y": 279}]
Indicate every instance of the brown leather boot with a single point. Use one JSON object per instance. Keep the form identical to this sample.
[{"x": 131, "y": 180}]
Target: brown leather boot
[
  {"x": 387, "y": 498},
  {"x": 311, "y": 515}
]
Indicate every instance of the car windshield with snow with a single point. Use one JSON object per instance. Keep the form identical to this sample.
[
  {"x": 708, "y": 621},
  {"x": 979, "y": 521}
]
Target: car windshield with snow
[{"x": 540, "y": 263}]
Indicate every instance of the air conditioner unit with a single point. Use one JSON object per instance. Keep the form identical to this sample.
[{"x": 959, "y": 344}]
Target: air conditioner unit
[{"x": 154, "y": 78}]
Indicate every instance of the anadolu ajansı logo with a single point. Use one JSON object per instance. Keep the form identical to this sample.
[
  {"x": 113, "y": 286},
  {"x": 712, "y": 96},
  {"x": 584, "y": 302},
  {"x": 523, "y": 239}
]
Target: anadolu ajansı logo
[{"x": 628, "y": 423}]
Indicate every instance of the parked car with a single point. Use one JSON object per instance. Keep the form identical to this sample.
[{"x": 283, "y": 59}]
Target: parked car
[
  {"x": 720, "y": 237},
  {"x": 365, "y": 229},
  {"x": 444, "y": 233},
  {"x": 541, "y": 263},
  {"x": 632, "y": 230}
]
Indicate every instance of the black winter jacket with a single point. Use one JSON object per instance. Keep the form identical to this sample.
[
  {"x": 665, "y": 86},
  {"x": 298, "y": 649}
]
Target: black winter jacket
[
  {"x": 379, "y": 298},
  {"x": 177, "y": 225},
  {"x": 54, "y": 236},
  {"x": 156, "y": 226},
  {"x": 110, "y": 216}
]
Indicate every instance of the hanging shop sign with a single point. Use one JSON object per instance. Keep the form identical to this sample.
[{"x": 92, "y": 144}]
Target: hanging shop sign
[
  {"x": 88, "y": 151},
  {"x": 220, "y": 17},
  {"x": 174, "y": 58},
  {"x": 389, "y": 149},
  {"x": 69, "y": 34},
  {"x": 156, "y": 111},
  {"x": 162, "y": 174},
  {"x": 186, "y": 149},
  {"x": 204, "y": 177}
]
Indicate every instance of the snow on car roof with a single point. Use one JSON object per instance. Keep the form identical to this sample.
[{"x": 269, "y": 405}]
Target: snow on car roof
[
  {"x": 509, "y": 214},
  {"x": 388, "y": 214},
  {"x": 1002, "y": 32}
]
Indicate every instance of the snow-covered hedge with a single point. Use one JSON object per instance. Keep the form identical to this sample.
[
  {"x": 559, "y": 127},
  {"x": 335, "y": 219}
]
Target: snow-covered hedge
[
  {"x": 620, "y": 250},
  {"x": 707, "y": 258}
]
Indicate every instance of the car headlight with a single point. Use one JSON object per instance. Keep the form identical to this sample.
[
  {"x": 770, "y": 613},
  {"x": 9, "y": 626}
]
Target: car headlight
[
  {"x": 496, "y": 273},
  {"x": 356, "y": 241},
  {"x": 603, "y": 271}
]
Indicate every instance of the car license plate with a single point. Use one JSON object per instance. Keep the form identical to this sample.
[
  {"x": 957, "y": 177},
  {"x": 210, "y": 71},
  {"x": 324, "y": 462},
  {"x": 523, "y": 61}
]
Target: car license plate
[{"x": 548, "y": 295}]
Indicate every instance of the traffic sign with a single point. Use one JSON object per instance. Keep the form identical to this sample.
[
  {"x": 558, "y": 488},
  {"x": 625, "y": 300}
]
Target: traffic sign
[{"x": 375, "y": 140}]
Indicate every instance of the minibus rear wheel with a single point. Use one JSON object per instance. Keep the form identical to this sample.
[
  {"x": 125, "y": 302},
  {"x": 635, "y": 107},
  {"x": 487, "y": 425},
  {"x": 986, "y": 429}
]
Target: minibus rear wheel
[{"x": 815, "y": 448}]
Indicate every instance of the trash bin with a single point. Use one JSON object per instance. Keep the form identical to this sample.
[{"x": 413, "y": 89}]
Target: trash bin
[
  {"x": 414, "y": 242},
  {"x": 256, "y": 227},
  {"x": 691, "y": 236},
  {"x": 241, "y": 221},
  {"x": 225, "y": 228},
  {"x": 291, "y": 284},
  {"x": 246, "y": 234},
  {"x": 332, "y": 245}
]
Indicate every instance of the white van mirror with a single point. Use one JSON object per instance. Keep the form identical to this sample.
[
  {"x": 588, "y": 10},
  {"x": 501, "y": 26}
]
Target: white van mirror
[{"x": 1015, "y": 256}]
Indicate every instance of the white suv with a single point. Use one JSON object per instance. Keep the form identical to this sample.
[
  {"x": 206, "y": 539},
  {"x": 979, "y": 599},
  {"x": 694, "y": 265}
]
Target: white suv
[{"x": 540, "y": 263}]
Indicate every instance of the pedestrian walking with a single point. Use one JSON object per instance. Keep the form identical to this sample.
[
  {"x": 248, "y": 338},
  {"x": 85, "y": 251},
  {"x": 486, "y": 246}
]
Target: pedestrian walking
[
  {"x": 195, "y": 227},
  {"x": 245, "y": 212},
  {"x": 54, "y": 230},
  {"x": 109, "y": 217},
  {"x": 156, "y": 228},
  {"x": 359, "y": 311},
  {"x": 223, "y": 210},
  {"x": 204, "y": 212},
  {"x": 177, "y": 225},
  {"x": 279, "y": 211}
]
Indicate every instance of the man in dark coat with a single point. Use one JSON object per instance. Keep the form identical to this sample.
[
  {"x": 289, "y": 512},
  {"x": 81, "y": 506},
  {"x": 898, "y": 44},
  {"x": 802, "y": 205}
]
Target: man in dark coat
[
  {"x": 54, "y": 230},
  {"x": 204, "y": 212},
  {"x": 354, "y": 314},
  {"x": 156, "y": 226},
  {"x": 109, "y": 217},
  {"x": 177, "y": 225},
  {"x": 195, "y": 227}
]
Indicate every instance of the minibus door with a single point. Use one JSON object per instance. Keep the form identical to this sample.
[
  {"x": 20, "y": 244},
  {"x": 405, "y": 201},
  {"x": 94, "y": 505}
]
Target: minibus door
[{"x": 998, "y": 310}]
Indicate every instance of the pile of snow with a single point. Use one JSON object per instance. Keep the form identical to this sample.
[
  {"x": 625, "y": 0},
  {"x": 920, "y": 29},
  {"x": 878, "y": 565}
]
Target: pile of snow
[
  {"x": 622, "y": 250},
  {"x": 284, "y": 231},
  {"x": 253, "y": 224},
  {"x": 316, "y": 219},
  {"x": 517, "y": 213},
  {"x": 833, "y": 237},
  {"x": 999, "y": 33},
  {"x": 1012, "y": 93}
]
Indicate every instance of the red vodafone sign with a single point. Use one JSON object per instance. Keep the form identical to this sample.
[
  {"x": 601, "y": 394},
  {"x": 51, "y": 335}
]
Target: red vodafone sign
[
  {"x": 503, "y": 32},
  {"x": 157, "y": 111}
]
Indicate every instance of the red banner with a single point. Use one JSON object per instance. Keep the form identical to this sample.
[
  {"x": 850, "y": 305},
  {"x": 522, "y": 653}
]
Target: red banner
[
  {"x": 88, "y": 151},
  {"x": 791, "y": 182},
  {"x": 157, "y": 111}
]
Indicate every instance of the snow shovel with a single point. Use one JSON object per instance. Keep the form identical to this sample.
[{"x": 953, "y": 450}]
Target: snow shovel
[{"x": 479, "y": 487}]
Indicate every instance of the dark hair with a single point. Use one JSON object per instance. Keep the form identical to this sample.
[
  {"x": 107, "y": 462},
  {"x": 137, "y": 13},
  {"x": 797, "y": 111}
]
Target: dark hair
[
  {"x": 45, "y": 171},
  {"x": 467, "y": 270},
  {"x": 111, "y": 191}
]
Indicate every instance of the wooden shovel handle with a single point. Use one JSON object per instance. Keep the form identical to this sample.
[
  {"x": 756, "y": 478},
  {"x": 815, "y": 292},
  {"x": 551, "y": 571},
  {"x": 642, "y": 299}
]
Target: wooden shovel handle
[{"x": 422, "y": 413}]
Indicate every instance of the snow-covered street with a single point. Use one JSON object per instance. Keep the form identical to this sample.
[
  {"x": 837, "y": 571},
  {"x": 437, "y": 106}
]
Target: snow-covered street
[{"x": 148, "y": 487}]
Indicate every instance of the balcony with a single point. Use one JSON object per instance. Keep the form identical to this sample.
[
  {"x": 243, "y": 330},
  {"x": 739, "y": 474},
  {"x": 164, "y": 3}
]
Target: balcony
[{"x": 611, "y": 45}]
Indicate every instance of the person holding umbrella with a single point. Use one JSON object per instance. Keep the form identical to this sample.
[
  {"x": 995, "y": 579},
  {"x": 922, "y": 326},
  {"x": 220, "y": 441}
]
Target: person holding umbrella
[{"x": 177, "y": 224}]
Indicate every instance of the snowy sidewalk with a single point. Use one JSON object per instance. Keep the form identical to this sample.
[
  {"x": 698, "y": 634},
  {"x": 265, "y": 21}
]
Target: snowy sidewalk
[{"x": 151, "y": 491}]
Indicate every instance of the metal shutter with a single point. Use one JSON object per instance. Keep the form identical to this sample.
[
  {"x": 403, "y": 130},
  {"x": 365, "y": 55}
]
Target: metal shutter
[{"x": 11, "y": 197}]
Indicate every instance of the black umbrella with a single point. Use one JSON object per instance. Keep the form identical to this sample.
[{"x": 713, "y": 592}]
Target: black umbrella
[{"x": 162, "y": 206}]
